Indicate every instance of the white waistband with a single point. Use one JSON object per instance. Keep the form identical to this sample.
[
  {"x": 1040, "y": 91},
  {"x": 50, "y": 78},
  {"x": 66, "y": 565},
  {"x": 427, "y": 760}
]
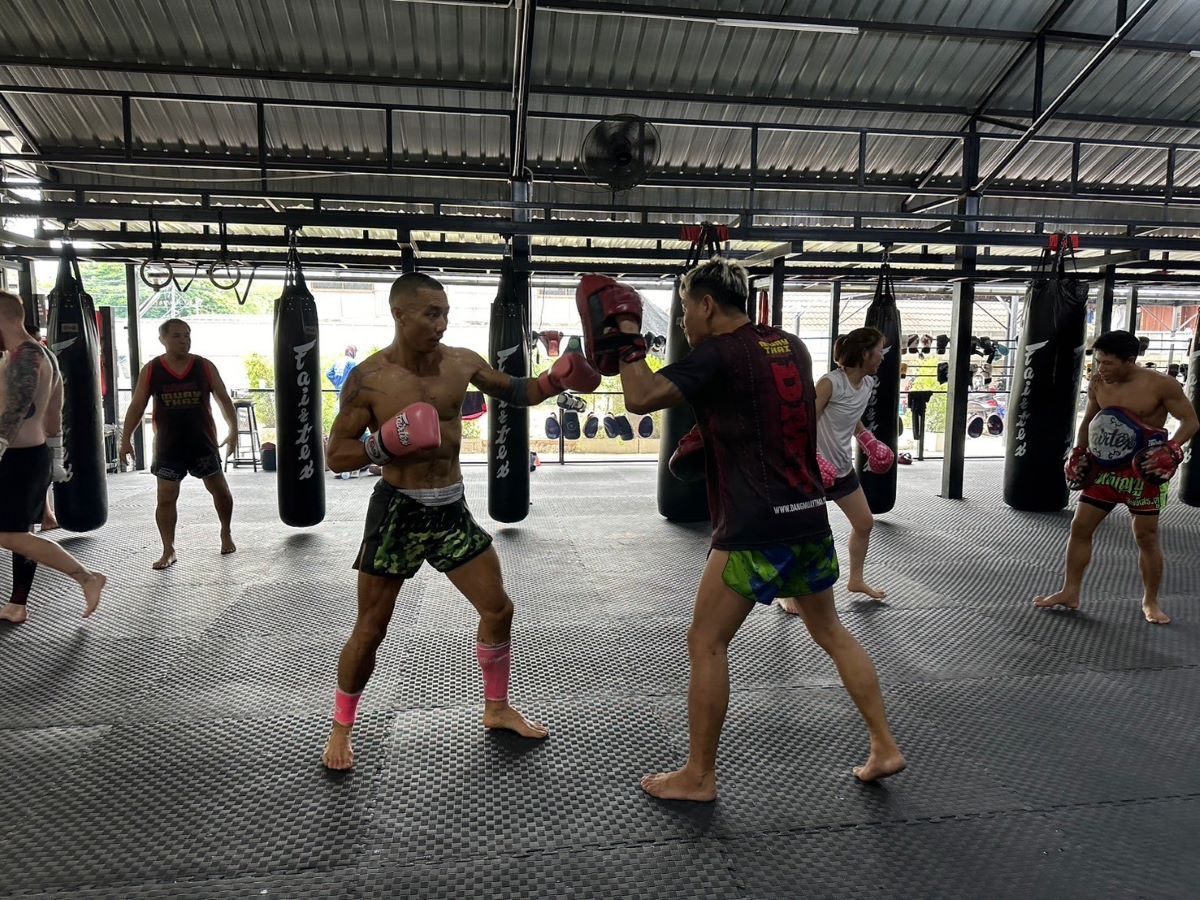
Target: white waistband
[{"x": 439, "y": 496}]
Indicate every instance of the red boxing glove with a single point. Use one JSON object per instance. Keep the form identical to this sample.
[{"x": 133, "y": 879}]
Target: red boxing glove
[
  {"x": 687, "y": 462},
  {"x": 417, "y": 427},
  {"x": 1080, "y": 469},
  {"x": 828, "y": 472},
  {"x": 570, "y": 372},
  {"x": 1158, "y": 462},
  {"x": 879, "y": 455}
]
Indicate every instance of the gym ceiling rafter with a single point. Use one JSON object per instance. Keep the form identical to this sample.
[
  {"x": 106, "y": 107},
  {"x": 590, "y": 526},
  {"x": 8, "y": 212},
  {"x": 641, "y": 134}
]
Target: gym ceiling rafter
[{"x": 840, "y": 152}]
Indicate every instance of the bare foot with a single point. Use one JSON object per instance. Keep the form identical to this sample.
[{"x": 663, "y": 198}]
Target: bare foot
[
  {"x": 1154, "y": 614},
  {"x": 50, "y": 523},
  {"x": 681, "y": 785},
  {"x": 227, "y": 545},
  {"x": 861, "y": 587},
  {"x": 92, "y": 586},
  {"x": 165, "y": 561},
  {"x": 508, "y": 718},
  {"x": 1062, "y": 598},
  {"x": 789, "y": 605},
  {"x": 880, "y": 765},
  {"x": 13, "y": 612},
  {"x": 339, "y": 753}
]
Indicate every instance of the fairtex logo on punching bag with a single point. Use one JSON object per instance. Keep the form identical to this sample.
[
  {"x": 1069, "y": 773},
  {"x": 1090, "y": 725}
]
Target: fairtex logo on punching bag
[
  {"x": 502, "y": 469},
  {"x": 1023, "y": 402},
  {"x": 302, "y": 436}
]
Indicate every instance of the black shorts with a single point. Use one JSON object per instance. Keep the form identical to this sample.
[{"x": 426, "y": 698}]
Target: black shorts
[
  {"x": 24, "y": 478},
  {"x": 201, "y": 467},
  {"x": 401, "y": 533},
  {"x": 843, "y": 486}
]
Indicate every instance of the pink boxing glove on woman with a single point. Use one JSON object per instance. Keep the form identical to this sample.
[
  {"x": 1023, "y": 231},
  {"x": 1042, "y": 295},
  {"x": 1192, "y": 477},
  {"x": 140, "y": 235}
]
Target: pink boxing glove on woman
[
  {"x": 879, "y": 455},
  {"x": 828, "y": 472}
]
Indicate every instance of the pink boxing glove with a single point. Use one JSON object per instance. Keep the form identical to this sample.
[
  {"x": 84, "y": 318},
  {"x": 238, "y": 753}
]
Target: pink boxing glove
[
  {"x": 828, "y": 472},
  {"x": 570, "y": 372},
  {"x": 416, "y": 428},
  {"x": 879, "y": 455}
]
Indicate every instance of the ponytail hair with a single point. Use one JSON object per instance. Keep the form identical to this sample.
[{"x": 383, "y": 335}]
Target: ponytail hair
[{"x": 849, "y": 350}]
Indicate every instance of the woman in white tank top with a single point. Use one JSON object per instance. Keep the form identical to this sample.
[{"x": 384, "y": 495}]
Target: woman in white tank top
[{"x": 842, "y": 396}]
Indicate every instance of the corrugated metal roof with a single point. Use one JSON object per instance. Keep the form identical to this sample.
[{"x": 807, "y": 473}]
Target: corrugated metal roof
[{"x": 461, "y": 43}]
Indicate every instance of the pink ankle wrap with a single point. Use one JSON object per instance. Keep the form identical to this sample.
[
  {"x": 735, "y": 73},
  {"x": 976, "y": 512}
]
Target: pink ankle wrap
[
  {"x": 345, "y": 707},
  {"x": 495, "y": 663}
]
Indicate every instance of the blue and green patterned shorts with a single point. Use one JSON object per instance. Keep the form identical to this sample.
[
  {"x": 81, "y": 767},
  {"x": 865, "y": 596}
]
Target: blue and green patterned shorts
[
  {"x": 787, "y": 570},
  {"x": 401, "y": 533}
]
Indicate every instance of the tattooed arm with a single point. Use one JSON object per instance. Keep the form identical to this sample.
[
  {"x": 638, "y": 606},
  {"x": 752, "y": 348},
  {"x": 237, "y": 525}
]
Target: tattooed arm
[{"x": 20, "y": 384}]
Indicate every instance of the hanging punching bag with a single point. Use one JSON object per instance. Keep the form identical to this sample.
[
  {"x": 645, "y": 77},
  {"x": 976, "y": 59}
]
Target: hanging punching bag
[
  {"x": 508, "y": 426},
  {"x": 881, "y": 415},
  {"x": 300, "y": 450},
  {"x": 1045, "y": 386},
  {"x": 1189, "y": 478},
  {"x": 80, "y": 503},
  {"x": 678, "y": 501}
]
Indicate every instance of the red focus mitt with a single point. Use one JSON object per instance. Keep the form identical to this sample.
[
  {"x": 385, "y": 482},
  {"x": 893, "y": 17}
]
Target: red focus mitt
[
  {"x": 602, "y": 303},
  {"x": 687, "y": 462}
]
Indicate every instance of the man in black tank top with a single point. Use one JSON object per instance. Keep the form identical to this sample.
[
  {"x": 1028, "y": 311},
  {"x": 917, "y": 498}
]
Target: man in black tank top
[
  {"x": 751, "y": 387},
  {"x": 185, "y": 436}
]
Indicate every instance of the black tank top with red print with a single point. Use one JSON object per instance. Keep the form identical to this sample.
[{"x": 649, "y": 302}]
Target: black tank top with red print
[{"x": 183, "y": 423}]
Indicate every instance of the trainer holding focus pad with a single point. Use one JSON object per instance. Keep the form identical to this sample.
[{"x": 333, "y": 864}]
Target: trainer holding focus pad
[{"x": 602, "y": 302}]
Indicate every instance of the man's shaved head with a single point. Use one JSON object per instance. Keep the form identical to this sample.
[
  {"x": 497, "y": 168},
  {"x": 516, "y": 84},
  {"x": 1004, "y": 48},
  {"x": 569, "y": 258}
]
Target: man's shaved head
[
  {"x": 406, "y": 287},
  {"x": 11, "y": 308}
]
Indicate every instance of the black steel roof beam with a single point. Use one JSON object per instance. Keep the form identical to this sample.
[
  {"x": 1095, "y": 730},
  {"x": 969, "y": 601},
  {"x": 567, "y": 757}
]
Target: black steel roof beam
[
  {"x": 1183, "y": 200},
  {"x": 572, "y": 228},
  {"x": 145, "y": 67},
  {"x": 1064, "y": 95},
  {"x": 1036, "y": 46}
]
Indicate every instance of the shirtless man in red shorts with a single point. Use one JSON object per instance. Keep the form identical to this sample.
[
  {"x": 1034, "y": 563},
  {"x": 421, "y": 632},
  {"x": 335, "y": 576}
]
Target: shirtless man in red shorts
[{"x": 1123, "y": 455}]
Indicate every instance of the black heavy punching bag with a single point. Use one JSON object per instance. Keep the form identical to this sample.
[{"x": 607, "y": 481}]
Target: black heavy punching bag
[
  {"x": 300, "y": 451},
  {"x": 678, "y": 501},
  {"x": 1189, "y": 479},
  {"x": 881, "y": 415},
  {"x": 81, "y": 503},
  {"x": 508, "y": 426},
  {"x": 1045, "y": 386}
]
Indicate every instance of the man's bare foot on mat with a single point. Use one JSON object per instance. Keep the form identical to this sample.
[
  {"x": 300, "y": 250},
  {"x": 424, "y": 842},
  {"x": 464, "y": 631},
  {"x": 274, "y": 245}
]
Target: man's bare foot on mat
[
  {"x": 13, "y": 612},
  {"x": 339, "y": 753},
  {"x": 681, "y": 785},
  {"x": 880, "y": 764},
  {"x": 507, "y": 718},
  {"x": 1062, "y": 598}
]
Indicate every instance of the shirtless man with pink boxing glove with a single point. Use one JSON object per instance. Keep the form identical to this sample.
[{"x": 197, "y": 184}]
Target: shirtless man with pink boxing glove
[{"x": 410, "y": 395}]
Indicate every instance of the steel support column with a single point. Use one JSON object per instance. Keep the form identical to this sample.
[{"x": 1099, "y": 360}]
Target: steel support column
[
  {"x": 835, "y": 317},
  {"x": 132, "y": 318},
  {"x": 1104, "y": 303},
  {"x": 961, "y": 319},
  {"x": 777, "y": 273}
]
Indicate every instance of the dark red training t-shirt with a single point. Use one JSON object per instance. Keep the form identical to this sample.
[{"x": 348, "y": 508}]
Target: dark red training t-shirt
[{"x": 753, "y": 394}]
